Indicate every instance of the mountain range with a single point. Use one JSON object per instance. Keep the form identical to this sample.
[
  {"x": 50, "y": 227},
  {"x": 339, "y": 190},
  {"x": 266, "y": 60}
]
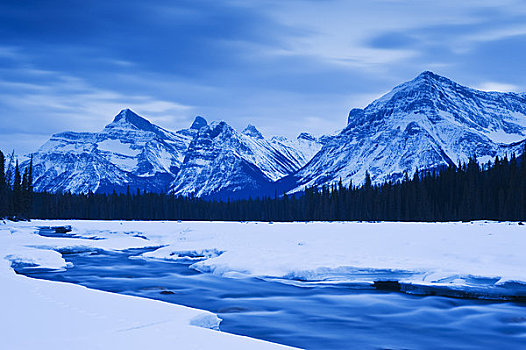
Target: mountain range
[
  {"x": 426, "y": 123},
  {"x": 204, "y": 160}
]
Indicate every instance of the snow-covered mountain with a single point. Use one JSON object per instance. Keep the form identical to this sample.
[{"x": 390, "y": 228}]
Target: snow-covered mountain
[
  {"x": 204, "y": 160},
  {"x": 425, "y": 123},
  {"x": 221, "y": 162},
  {"x": 130, "y": 151}
]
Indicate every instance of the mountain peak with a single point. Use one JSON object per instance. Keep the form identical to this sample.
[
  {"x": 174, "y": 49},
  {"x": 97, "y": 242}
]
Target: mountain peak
[
  {"x": 252, "y": 131},
  {"x": 427, "y": 75},
  {"x": 424, "y": 87},
  {"x": 198, "y": 123},
  {"x": 429, "y": 78},
  {"x": 128, "y": 117},
  {"x": 126, "y": 114}
]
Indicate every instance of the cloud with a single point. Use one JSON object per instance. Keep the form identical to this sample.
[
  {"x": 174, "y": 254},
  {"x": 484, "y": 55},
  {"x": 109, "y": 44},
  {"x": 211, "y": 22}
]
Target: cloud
[
  {"x": 64, "y": 102},
  {"x": 495, "y": 86},
  {"x": 276, "y": 64},
  {"x": 9, "y": 52}
]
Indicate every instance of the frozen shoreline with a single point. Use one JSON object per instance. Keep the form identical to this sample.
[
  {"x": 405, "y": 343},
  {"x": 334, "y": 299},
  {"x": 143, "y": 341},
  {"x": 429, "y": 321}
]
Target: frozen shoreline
[
  {"x": 450, "y": 255},
  {"x": 39, "y": 314}
]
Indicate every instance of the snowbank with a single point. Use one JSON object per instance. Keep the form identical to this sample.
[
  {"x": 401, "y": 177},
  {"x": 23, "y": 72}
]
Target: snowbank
[
  {"x": 39, "y": 314},
  {"x": 431, "y": 253}
]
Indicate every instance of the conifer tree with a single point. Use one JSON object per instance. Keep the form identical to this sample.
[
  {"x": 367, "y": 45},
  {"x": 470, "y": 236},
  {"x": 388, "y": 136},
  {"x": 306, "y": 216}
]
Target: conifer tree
[
  {"x": 367, "y": 182},
  {"x": 24, "y": 195},
  {"x": 27, "y": 193},
  {"x": 30, "y": 176},
  {"x": 3, "y": 187},
  {"x": 9, "y": 169},
  {"x": 17, "y": 192}
]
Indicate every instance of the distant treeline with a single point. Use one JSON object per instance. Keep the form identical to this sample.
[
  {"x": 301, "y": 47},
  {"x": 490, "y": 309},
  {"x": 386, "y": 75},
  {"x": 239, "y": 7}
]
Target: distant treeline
[
  {"x": 16, "y": 189},
  {"x": 463, "y": 192}
]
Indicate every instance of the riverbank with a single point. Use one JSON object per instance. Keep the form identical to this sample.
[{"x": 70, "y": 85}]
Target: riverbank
[
  {"x": 38, "y": 314},
  {"x": 479, "y": 256}
]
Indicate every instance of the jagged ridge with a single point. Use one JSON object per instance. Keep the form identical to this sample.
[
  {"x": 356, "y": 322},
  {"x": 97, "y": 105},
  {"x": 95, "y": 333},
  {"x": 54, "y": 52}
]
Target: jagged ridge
[{"x": 132, "y": 152}]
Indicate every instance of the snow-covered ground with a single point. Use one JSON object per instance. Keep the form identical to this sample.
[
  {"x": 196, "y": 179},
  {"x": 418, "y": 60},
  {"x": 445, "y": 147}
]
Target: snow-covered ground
[
  {"x": 38, "y": 314},
  {"x": 45, "y": 314}
]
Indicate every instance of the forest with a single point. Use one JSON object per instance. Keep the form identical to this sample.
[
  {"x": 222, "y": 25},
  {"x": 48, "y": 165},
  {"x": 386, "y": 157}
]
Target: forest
[{"x": 492, "y": 191}]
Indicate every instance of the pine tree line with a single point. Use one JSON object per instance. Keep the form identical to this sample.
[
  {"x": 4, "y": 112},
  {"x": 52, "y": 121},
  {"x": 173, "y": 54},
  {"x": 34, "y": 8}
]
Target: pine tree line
[
  {"x": 16, "y": 189},
  {"x": 463, "y": 192},
  {"x": 456, "y": 193}
]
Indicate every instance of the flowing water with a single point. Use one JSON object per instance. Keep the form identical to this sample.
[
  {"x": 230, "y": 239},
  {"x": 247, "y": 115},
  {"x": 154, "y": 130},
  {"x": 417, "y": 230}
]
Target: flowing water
[{"x": 311, "y": 316}]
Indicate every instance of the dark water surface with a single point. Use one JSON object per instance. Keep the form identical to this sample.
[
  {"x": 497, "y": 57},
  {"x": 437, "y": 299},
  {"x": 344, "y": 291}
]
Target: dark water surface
[{"x": 311, "y": 316}]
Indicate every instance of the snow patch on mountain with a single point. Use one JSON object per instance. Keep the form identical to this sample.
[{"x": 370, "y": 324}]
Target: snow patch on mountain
[
  {"x": 303, "y": 148},
  {"x": 117, "y": 146}
]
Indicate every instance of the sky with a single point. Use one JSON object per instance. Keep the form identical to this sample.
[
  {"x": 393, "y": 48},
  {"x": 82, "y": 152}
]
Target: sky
[{"x": 286, "y": 66}]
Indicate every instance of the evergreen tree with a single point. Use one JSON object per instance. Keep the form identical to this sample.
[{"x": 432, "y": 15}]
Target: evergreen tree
[
  {"x": 3, "y": 187},
  {"x": 17, "y": 192},
  {"x": 26, "y": 195}
]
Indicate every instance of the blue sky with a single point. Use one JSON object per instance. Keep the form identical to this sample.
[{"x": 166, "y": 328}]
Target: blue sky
[{"x": 284, "y": 66}]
